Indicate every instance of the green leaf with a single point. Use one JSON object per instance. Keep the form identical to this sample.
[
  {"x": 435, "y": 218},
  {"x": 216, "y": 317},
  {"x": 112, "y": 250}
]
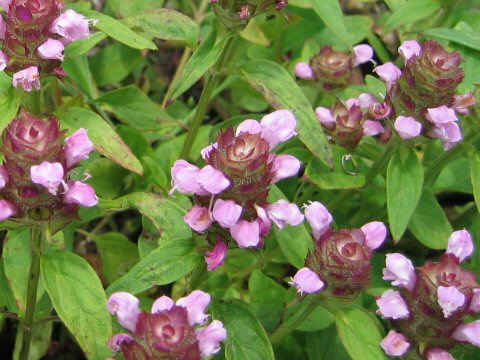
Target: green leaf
[
  {"x": 81, "y": 47},
  {"x": 320, "y": 174},
  {"x": 409, "y": 12},
  {"x": 318, "y": 319},
  {"x": 166, "y": 24},
  {"x": 78, "y": 69},
  {"x": 294, "y": 241},
  {"x": 429, "y": 223},
  {"x": 404, "y": 187},
  {"x": 125, "y": 8},
  {"x": 5, "y": 81},
  {"x": 116, "y": 30},
  {"x": 79, "y": 300},
  {"x": 246, "y": 339},
  {"x": 106, "y": 140},
  {"x": 461, "y": 35},
  {"x": 359, "y": 332},
  {"x": 331, "y": 14},
  {"x": 475, "y": 174},
  {"x": 202, "y": 59},
  {"x": 9, "y": 103},
  {"x": 6, "y": 294},
  {"x": 281, "y": 91},
  {"x": 325, "y": 345},
  {"x": 40, "y": 342}
]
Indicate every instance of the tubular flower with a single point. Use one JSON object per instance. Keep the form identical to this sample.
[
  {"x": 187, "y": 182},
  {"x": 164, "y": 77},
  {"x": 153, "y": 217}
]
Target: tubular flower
[
  {"x": 231, "y": 190},
  {"x": 35, "y": 175},
  {"x": 433, "y": 300},
  {"x": 170, "y": 331},
  {"x": 333, "y": 70}
]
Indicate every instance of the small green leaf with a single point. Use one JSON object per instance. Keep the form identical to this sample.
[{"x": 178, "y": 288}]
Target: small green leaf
[
  {"x": 320, "y": 174},
  {"x": 475, "y": 174},
  {"x": 246, "y": 338},
  {"x": 9, "y": 103},
  {"x": 81, "y": 47},
  {"x": 404, "y": 187},
  {"x": 78, "y": 69},
  {"x": 125, "y": 8},
  {"x": 429, "y": 223},
  {"x": 116, "y": 30},
  {"x": 79, "y": 300},
  {"x": 331, "y": 14},
  {"x": 106, "y": 140},
  {"x": 411, "y": 11},
  {"x": 462, "y": 35},
  {"x": 281, "y": 91}
]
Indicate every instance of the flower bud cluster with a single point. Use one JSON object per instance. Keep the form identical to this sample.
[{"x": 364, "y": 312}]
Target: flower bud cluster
[
  {"x": 333, "y": 69},
  {"x": 431, "y": 303},
  {"x": 34, "y": 34},
  {"x": 231, "y": 190},
  {"x": 35, "y": 176},
  {"x": 340, "y": 262},
  {"x": 348, "y": 122},
  {"x": 422, "y": 95},
  {"x": 172, "y": 330}
]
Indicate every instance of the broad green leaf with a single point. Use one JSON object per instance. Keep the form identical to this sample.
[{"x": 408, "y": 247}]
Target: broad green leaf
[
  {"x": 106, "y": 140},
  {"x": 79, "y": 300},
  {"x": 318, "y": 319},
  {"x": 461, "y": 35},
  {"x": 5, "y": 81},
  {"x": 246, "y": 339},
  {"x": 475, "y": 174},
  {"x": 404, "y": 187},
  {"x": 81, "y": 47},
  {"x": 409, "y": 12},
  {"x": 116, "y": 30},
  {"x": 125, "y": 8},
  {"x": 40, "y": 343},
  {"x": 166, "y": 24},
  {"x": 295, "y": 241},
  {"x": 133, "y": 107},
  {"x": 6, "y": 294},
  {"x": 78, "y": 69},
  {"x": 453, "y": 177},
  {"x": 325, "y": 345},
  {"x": 281, "y": 91},
  {"x": 331, "y": 14},
  {"x": 429, "y": 223},
  {"x": 103, "y": 170},
  {"x": 9, "y": 103},
  {"x": 202, "y": 59},
  {"x": 320, "y": 174},
  {"x": 359, "y": 332}
]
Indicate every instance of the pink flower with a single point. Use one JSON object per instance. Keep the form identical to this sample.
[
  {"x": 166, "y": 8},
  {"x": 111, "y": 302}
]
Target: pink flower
[
  {"x": 3, "y": 177},
  {"x": 389, "y": 73},
  {"x": 71, "y": 25},
  {"x": 409, "y": 48},
  {"x": 77, "y": 147},
  {"x": 304, "y": 71},
  {"x": 210, "y": 337},
  {"x": 285, "y": 166},
  {"x": 28, "y": 79},
  {"x": 163, "y": 303},
  {"x": 116, "y": 341},
  {"x": 246, "y": 234},
  {"x": 195, "y": 303},
  {"x": 282, "y": 213},
  {"x": 395, "y": 344},
  {"x": 212, "y": 180},
  {"x": 366, "y": 100},
  {"x": 278, "y": 127},
  {"x": 449, "y": 299},
  {"x": 475, "y": 302},
  {"x": 400, "y": 269},
  {"x": 449, "y": 133},
  {"x": 81, "y": 194},
  {"x": 441, "y": 115},
  {"x": 263, "y": 221},
  {"x": 249, "y": 126},
  {"x": 438, "y": 354},
  {"x": 7, "y": 210},
  {"x": 125, "y": 306},
  {"x": 5, "y": 4},
  {"x": 407, "y": 127},
  {"x": 226, "y": 212},
  {"x": 469, "y": 332},
  {"x": 391, "y": 305},
  {"x": 318, "y": 217},
  {"x": 3, "y": 59},
  {"x": 206, "y": 150},
  {"x": 460, "y": 244},
  {"x": 462, "y": 102},
  {"x": 51, "y": 49},
  {"x": 49, "y": 175},
  {"x": 363, "y": 53},
  {"x": 217, "y": 256},
  {"x": 372, "y": 128},
  {"x": 184, "y": 178},
  {"x": 198, "y": 218},
  {"x": 325, "y": 116},
  {"x": 307, "y": 281},
  {"x": 375, "y": 234}
]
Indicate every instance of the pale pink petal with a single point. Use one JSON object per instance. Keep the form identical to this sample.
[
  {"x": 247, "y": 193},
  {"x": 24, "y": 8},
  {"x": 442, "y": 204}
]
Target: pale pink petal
[
  {"x": 307, "y": 281},
  {"x": 304, "y": 71}
]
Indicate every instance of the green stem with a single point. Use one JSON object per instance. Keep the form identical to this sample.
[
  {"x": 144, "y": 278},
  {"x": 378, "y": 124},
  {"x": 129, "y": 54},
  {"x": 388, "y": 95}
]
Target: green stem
[
  {"x": 437, "y": 166},
  {"x": 33, "y": 276},
  {"x": 380, "y": 49},
  {"x": 204, "y": 101},
  {"x": 198, "y": 275},
  {"x": 185, "y": 56},
  {"x": 35, "y": 102}
]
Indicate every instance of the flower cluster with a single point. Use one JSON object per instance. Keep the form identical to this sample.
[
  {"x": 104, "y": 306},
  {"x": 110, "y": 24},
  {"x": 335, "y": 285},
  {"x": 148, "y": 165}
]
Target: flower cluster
[
  {"x": 347, "y": 122},
  {"x": 172, "y": 330},
  {"x": 34, "y": 35},
  {"x": 332, "y": 69},
  {"x": 233, "y": 13},
  {"x": 431, "y": 303},
  {"x": 231, "y": 190},
  {"x": 340, "y": 262},
  {"x": 35, "y": 175},
  {"x": 422, "y": 96}
]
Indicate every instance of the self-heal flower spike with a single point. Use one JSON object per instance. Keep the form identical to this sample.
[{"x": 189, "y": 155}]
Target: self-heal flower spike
[
  {"x": 212, "y": 180},
  {"x": 282, "y": 213},
  {"x": 278, "y": 127},
  {"x": 198, "y": 218},
  {"x": 389, "y": 73},
  {"x": 125, "y": 306},
  {"x": 460, "y": 244},
  {"x": 71, "y": 25},
  {"x": 392, "y": 305},
  {"x": 51, "y": 49},
  {"x": 409, "y": 49},
  {"x": 184, "y": 177},
  {"x": 400, "y": 270},
  {"x": 407, "y": 127},
  {"x": 210, "y": 337},
  {"x": 395, "y": 344},
  {"x": 195, "y": 303},
  {"x": 49, "y": 175},
  {"x": 217, "y": 255},
  {"x": 449, "y": 299},
  {"x": 81, "y": 194},
  {"x": 375, "y": 234},
  {"x": 246, "y": 233},
  {"x": 226, "y": 212},
  {"x": 77, "y": 147},
  {"x": 363, "y": 53},
  {"x": 28, "y": 79},
  {"x": 304, "y": 71},
  {"x": 285, "y": 166},
  {"x": 469, "y": 332},
  {"x": 318, "y": 217},
  {"x": 306, "y": 281}
]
